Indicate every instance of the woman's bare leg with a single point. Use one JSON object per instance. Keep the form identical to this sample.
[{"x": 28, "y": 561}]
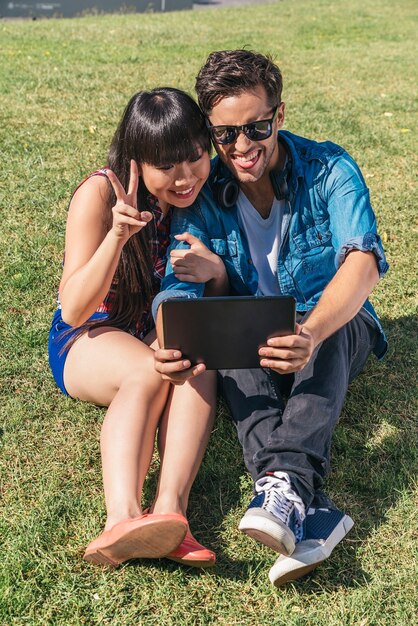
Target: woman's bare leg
[
  {"x": 182, "y": 439},
  {"x": 109, "y": 367}
]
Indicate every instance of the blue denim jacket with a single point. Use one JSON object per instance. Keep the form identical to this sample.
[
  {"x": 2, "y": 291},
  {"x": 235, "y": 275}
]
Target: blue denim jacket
[{"x": 328, "y": 215}]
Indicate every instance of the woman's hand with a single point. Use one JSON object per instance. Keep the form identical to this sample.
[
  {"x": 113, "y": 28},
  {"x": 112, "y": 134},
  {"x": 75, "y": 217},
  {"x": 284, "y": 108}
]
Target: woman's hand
[
  {"x": 127, "y": 220},
  {"x": 172, "y": 367},
  {"x": 198, "y": 264}
]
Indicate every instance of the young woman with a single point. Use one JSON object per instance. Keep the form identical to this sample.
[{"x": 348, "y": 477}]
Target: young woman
[{"x": 101, "y": 338}]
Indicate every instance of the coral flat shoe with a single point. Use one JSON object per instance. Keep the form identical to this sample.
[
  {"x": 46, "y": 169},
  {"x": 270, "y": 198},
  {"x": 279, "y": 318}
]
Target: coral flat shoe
[
  {"x": 190, "y": 552},
  {"x": 145, "y": 536}
]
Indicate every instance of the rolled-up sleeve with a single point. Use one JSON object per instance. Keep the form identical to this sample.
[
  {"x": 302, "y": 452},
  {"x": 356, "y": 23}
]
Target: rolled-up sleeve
[
  {"x": 369, "y": 242},
  {"x": 352, "y": 220},
  {"x": 169, "y": 294}
]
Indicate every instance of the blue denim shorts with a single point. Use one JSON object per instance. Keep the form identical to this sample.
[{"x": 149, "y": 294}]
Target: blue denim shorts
[{"x": 59, "y": 334}]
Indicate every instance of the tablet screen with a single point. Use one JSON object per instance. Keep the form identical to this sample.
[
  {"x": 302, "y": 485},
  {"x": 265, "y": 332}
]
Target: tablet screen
[{"x": 226, "y": 332}]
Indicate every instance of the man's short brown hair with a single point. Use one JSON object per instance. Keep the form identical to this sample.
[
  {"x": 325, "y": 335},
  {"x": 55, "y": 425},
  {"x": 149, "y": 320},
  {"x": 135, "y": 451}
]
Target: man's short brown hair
[{"x": 228, "y": 73}]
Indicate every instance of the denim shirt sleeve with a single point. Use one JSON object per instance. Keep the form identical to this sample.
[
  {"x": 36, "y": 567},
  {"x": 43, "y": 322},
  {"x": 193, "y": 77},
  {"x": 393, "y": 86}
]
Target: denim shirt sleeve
[
  {"x": 168, "y": 294},
  {"x": 352, "y": 220},
  {"x": 184, "y": 220}
]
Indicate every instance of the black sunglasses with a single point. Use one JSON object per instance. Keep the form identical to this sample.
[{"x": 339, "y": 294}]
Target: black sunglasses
[{"x": 256, "y": 131}]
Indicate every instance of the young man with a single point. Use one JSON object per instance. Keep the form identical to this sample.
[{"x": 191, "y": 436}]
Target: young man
[{"x": 288, "y": 216}]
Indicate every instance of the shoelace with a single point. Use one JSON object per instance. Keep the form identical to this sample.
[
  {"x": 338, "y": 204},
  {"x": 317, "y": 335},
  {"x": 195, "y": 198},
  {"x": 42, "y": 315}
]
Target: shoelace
[
  {"x": 281, "y": 500},
  {"x": 277, "y": 504}
]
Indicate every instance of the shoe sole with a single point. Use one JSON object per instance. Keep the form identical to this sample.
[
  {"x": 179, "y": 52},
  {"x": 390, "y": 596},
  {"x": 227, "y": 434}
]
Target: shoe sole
[
  {"x": 308, "y": 555},
  {"x": 273, "y": 534},
  {"x": 192, "y": 563},
  {"x": 153, "y": 540},
  {"x": 294, "y": 575}
]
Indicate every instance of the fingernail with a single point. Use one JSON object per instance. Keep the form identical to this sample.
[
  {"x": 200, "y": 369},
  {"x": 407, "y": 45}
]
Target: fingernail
[{"x": 176, "y": 354}]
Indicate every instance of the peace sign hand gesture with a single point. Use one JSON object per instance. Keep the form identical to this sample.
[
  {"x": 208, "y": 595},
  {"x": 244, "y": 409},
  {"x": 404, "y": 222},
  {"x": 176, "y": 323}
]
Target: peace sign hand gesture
[{"x": 127, "y": 220}]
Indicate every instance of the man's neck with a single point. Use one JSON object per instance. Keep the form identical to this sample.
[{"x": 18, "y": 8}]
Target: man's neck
[{"x": 260, "y": 194}]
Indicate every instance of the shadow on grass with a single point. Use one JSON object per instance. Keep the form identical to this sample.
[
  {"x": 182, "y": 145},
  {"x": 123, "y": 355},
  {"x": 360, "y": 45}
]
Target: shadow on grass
[{"x": 372, "y": 464}]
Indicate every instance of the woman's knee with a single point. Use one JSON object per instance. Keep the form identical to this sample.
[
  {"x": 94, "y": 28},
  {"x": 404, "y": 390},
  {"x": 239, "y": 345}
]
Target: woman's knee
[{"x": 142, "y": 380}]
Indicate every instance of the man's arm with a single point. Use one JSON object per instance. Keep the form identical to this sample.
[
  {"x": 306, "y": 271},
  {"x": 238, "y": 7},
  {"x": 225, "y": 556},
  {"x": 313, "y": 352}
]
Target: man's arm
[
  {"x": 360, "y": 260},
  {"x": 340, "y": 302}
]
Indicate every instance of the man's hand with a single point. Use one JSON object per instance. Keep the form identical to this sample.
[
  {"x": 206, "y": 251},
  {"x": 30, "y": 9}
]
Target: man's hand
[
  {"x": 288, "y": 354},
  {"x": 173, "y": 368}
]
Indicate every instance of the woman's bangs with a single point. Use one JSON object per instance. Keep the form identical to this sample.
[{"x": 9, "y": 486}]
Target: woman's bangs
[{"x": 164, "y": 146}]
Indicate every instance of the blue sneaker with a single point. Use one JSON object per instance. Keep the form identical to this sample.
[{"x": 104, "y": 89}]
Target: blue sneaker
[
  {"x": 323, "y": 530},
  {"x": 275, "y": 515}
]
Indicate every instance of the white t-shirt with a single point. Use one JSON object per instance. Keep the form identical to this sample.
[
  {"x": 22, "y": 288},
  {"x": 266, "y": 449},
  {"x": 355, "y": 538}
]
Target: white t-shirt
[{"x": 263, "y": 237}]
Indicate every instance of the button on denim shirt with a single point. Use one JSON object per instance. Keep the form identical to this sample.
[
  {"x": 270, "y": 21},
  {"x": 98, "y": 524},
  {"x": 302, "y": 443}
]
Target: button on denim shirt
[{"x": 327, "y": 215}]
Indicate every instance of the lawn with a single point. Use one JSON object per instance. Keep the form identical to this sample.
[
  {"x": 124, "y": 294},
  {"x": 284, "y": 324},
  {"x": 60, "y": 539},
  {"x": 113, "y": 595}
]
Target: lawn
[{"x": 350, "y": 76}]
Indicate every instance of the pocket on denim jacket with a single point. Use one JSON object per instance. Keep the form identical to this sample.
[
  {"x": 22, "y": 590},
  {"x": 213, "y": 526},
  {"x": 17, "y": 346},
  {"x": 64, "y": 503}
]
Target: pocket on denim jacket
[
  {"x": 224, "y": 246},
  {"x": 218, "y": 246},
  {"x": 313, "y": 237}
]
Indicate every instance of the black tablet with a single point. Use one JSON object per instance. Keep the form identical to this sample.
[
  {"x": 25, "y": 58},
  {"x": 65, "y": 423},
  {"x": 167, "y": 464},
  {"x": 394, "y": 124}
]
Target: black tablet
[{"x": 225, "y": 332}]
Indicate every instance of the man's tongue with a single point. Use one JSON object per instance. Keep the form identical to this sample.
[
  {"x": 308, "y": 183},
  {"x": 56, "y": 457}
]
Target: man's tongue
[{"x": 247, "y": 162}]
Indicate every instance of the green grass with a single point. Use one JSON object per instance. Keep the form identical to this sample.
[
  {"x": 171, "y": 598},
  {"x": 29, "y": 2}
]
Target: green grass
[{"x": 349, "y": 70}]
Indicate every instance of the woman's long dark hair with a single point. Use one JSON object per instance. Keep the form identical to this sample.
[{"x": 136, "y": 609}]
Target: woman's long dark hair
[{"x": 159, "y": 127}]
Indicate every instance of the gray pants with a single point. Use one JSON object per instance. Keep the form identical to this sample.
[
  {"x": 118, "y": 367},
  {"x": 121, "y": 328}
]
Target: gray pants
[{"x": 295, "y": 436}]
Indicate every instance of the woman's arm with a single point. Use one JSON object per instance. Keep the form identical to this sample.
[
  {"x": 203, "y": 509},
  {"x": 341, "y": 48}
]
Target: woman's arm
[{"x": 91, "y": 254}]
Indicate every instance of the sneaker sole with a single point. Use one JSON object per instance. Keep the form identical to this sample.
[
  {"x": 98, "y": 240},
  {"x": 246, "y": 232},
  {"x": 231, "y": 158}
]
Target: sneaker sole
[
  {"x": 273, "y": 534},
  {"x": 308, "y": 555}
]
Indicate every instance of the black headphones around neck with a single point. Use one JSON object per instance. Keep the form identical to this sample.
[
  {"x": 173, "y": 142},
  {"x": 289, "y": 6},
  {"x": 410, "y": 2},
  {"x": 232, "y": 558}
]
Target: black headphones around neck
[
  {"x": 280, "y": 181},
  {"x": 226, "y": 189}
]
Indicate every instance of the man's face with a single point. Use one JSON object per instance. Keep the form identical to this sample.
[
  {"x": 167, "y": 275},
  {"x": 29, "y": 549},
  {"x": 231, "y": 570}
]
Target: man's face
[{"x": 247, "y": 159}]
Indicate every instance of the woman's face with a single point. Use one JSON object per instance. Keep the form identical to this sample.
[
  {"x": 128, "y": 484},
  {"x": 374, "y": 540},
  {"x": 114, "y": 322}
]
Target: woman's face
[{"x": 177, "y": 184}]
